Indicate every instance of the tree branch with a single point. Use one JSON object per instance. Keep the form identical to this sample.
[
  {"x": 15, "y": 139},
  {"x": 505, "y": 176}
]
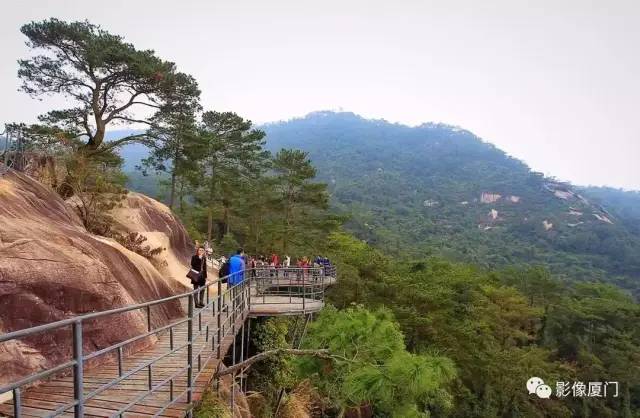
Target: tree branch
[
  {"x": 125, "y": 106},
  {"x": 322, "y": 353},
  {"x": 113, "y": 144},
  {"x": 127, "y": 119}
]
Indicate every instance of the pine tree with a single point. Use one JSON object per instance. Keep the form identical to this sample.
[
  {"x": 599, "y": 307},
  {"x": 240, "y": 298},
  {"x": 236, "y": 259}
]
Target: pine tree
[
  {"x": 104, "y": 77},
  {"x": 231, "y": 151},
  {"x": 174, "y": 148},
  {"x": 300, "y": 199}
]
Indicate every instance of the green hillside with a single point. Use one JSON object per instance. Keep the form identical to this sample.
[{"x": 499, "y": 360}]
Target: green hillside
[{"x": 440, "y": 190}]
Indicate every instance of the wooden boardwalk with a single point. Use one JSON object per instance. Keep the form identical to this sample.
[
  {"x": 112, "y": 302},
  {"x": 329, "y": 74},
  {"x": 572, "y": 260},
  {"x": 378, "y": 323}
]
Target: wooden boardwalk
[
  {"x": 45, "y": 398},
  {"x": 147, "y": 391}
]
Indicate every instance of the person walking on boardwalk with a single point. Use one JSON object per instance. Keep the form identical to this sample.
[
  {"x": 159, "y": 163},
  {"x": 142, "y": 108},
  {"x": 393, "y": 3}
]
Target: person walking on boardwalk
[
  {"x": 236, "y": 268},
  {"x": 199, "y": 264},
  {"x": 236, "y": 275}
]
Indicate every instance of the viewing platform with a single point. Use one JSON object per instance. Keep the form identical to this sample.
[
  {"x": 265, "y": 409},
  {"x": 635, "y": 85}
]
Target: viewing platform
[{"x": 165, "y": 379}]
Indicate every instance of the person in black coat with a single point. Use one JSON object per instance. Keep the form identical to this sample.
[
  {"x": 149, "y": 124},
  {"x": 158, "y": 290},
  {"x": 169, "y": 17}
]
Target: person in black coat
[{"x": 199, "y": 263}]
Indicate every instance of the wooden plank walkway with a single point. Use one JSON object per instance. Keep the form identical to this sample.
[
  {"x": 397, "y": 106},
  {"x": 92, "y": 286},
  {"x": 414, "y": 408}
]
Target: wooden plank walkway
[{"x": 47, "y": 397}]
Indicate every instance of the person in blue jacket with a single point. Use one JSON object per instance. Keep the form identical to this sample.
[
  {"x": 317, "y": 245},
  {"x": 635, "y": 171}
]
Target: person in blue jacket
[{"x": 236, "y": 268}]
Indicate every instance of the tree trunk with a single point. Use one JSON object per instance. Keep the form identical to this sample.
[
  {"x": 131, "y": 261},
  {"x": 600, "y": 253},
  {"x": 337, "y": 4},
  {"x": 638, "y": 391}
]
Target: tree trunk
[
  {"x": 209, "y": 223},
  {"x": 257, "y": 234},
  {"x": 227, "y": 227},
  {"x": 172, "y": 194},
  {"x": 181, "y": 197},
  {"x": 287, "y": 219},
  {"x": 98, "y": 137}
]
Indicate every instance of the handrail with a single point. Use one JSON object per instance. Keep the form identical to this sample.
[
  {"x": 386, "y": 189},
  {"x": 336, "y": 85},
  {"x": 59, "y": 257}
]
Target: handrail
[{"x": 233, "y": 303}]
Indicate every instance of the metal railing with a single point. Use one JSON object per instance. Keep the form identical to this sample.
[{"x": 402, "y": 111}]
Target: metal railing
[
  {"x": 222, "y": 312},
  {"x": 296, "y": 287}
]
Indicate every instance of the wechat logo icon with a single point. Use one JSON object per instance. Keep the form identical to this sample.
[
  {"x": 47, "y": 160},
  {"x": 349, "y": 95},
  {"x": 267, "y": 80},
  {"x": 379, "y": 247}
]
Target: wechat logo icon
[{"x": 537, "y": 386}]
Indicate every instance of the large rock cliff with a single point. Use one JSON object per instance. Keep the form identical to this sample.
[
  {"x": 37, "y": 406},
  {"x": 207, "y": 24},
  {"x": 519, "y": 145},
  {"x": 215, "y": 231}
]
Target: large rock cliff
[
  {"x": 155, "y": 221},
  {"x": 51, "y": 268}
]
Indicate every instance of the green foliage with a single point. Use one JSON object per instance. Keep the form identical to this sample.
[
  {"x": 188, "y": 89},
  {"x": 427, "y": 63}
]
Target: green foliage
[
  {"x": 301, "y": 204},
  {"x": 95, "y": 185},
  {"x": 229, "y": 152},
  {"x": 229, "y": 245},
  {"x": 595, "y": 327},
  {"x": 500, "y": 328},
  {"x": 374, "y": 367},
  {"x": 175, "y": 147},
  {"x": 211, "y": 406},
  {"x": 232, "y": 189},
  {"x": 274, "y": 373},
  {"x": 134, "y": 241},
  {"x": 361, "y": 267}
]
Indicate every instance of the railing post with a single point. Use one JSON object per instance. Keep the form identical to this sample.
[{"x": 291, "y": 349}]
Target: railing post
[
  {"x": 233, "y": 375},
  {"x": 78, "y": 384},
  {"x": 242, "y": 351},
  {"x": 219, "y": 354},
  {"x": 17, "y": 407},
  {"x": 248, "y": 342},
  {"x": 249, "y": 293},
  {"x": 190, "y": 350},
  {"x": 120, "y": 361},
  {"x": 304, "y": 293},
  {"x": 148, "y": 318}
]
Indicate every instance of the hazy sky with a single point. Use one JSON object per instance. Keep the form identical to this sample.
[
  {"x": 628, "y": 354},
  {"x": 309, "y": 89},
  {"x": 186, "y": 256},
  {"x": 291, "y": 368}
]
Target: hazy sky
[{"x": 555, "y": 83}]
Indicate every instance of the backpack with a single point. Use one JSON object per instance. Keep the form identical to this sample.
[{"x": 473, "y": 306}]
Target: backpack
[{"x": 224, "y": 270}]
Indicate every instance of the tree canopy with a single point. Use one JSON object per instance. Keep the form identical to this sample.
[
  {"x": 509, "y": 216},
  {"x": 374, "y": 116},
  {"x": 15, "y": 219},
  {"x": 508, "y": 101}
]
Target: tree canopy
[{"x": 105, "y": 77}]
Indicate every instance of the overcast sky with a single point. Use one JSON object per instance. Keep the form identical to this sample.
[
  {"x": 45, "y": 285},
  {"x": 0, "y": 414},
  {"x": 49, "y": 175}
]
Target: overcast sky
[{"x": 555, "y": 83}]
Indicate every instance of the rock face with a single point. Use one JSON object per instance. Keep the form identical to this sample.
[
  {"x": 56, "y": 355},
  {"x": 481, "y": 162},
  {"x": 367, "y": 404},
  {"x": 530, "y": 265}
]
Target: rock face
[
  {"x": 155, "y": 221},
  {"x": 51, "y": 268},
  {"x": 487, "y": 197}
]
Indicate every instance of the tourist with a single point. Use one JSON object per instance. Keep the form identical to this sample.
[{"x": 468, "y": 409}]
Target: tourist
[
  {"x": 236, "y": 268},
  {"x": 275, "y": 261},
  {"x": 286, "y": 263},
  {"x": 236, "y": 276},
  {"x": 326, "y": 264},
  {"x": 253, "y": 264},
  {"x": 199, "y": 264},
  {"x": 306, "y": 264}
]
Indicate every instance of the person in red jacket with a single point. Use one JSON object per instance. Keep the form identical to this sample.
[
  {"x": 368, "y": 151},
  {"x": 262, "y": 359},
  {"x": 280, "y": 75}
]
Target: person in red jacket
[{"x": 275, "y": 263}]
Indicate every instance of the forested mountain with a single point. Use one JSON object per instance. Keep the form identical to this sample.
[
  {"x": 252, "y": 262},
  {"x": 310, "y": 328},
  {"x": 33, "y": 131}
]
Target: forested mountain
[{"x": 436, "y": 189}]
